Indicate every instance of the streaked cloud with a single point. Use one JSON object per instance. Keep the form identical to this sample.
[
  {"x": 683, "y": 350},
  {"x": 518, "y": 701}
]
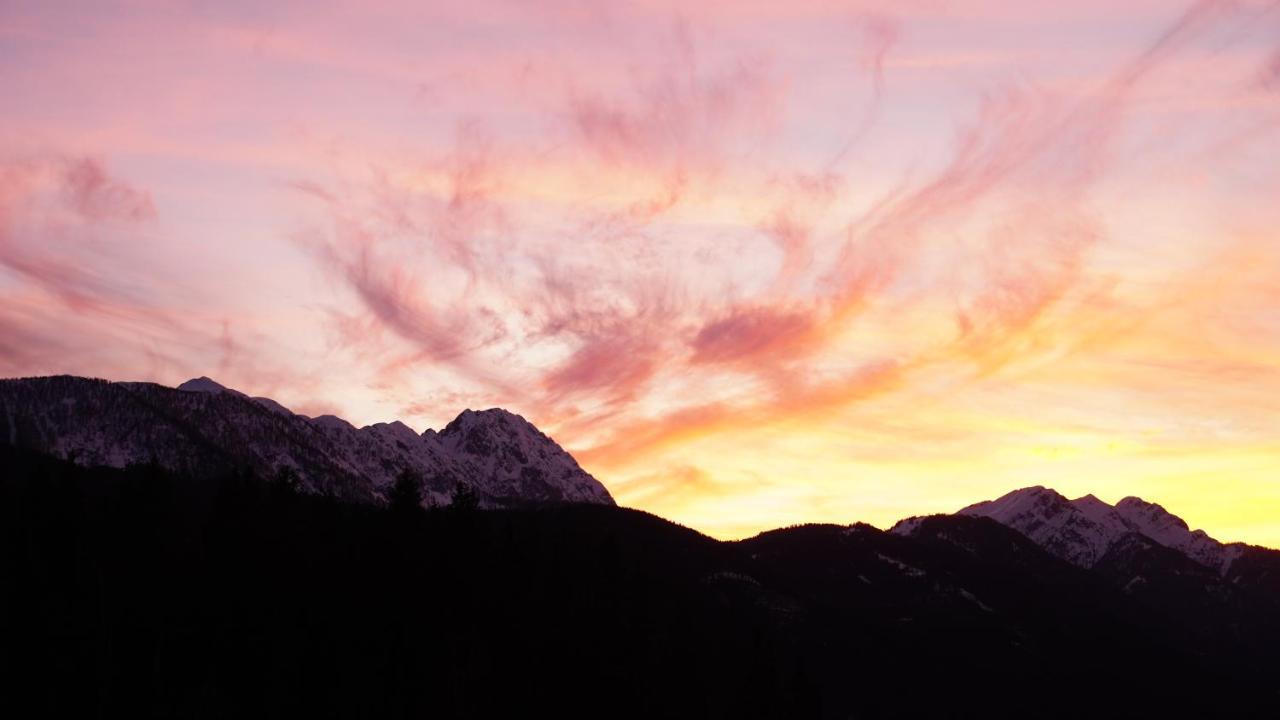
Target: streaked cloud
[{"x": 754, "y": 263}]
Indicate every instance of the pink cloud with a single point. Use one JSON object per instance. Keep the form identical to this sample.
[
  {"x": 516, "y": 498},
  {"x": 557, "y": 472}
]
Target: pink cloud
[
  {"x": 646, "y": 223},
  {"x": 1271, "y": 72},
  {"x": 96, "y": 196},
  {"x": 754, "y": 336},
  {"x": 1025, "y": 164}
]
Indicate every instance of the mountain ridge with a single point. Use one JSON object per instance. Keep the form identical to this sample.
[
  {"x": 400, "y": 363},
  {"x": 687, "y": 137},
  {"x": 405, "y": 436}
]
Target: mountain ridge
[
  {"x": 500, "y": 454},
  {"x": 204, "y": 424},
  {"x": 1030, "y": 587},
  {"x": 231, "y": 595},
  {"x": 1084, "y": 530}
]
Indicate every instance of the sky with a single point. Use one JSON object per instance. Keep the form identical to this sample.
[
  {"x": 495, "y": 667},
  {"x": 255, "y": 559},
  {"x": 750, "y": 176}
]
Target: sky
[{"x": 753, "y": 263}]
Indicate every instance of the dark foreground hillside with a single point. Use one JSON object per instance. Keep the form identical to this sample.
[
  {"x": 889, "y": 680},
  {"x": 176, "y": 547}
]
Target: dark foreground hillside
[{"x": 135, "y": 593}]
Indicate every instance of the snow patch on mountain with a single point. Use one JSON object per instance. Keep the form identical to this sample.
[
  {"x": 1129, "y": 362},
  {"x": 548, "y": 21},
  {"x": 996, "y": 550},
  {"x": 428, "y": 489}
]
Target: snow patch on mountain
[
  {"x": 907, "y": 527},
  {"x": 904, "y": 568}
]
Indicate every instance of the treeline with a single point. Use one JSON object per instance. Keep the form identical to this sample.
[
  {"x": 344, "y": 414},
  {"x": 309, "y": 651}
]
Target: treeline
[{"x": 134, "y": 593}]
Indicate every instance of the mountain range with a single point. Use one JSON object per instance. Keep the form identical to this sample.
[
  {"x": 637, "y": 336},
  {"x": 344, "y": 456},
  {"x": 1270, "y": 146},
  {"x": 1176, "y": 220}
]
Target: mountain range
[
  {"x": 1084, "y": 530},
  {"x": 201, "y": 427},
  {"x": 146, "y": 559}
]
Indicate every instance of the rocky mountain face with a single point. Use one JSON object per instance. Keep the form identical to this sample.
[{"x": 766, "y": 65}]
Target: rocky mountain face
[
  {"x": 202, "y": 428},
  {"x": 1083, "y": 531}
]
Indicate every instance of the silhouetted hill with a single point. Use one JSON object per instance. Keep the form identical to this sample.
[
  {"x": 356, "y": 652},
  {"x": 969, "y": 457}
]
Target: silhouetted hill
[{"x": 137, "y": 592}]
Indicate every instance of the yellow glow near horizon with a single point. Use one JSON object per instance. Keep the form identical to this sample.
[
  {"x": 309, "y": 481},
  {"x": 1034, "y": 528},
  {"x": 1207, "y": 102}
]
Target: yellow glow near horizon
[
  {"x": 1231, "y": 493},
  {"x": 754, "y": 264}
]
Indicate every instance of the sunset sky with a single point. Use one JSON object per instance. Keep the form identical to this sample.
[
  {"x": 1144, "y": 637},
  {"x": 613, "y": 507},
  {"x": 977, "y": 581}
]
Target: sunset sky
[{"x": 753, "y": 263}]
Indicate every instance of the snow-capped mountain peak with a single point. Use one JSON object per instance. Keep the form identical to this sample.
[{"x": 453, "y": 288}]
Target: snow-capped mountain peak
[
  {"x": 469, "y": 421},
  {"x": 394, "y": 430},
  {"x": 1078, "y": 534},
  {"x": 1103, "y": 514},
  {"x": 1083, "y": 530},
  {"x": 203, "y": 427},
  {"x": 1092, "y": 506},
  {"x": 1035, "y": 499},
  {"x": 514, "y": 453}
]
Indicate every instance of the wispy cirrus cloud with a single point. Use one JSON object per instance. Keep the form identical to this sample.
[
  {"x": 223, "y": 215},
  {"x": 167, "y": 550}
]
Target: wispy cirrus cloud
[
  {"x": 1002, "y": 233},
  {"x": 783, "y": 252},
  {"x": 78, "y": 280}
]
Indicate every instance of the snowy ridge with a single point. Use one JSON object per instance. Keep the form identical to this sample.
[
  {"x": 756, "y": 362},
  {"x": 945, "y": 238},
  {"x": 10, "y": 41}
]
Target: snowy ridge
[
  {"x": 1076, "y": 535},
  {"x": 202, "y": 427},
  {"x": 1171, "y": 531},
  {"x": 1083, "y": 530}
]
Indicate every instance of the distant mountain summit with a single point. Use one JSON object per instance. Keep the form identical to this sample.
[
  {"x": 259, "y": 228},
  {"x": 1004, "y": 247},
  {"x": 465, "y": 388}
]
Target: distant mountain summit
[
  {"x": 202, "y": 427},
  {"x": 1086, "y": 530}
]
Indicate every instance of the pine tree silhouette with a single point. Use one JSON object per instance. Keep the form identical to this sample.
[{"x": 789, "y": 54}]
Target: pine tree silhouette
[{"x": 406, "y": 494}]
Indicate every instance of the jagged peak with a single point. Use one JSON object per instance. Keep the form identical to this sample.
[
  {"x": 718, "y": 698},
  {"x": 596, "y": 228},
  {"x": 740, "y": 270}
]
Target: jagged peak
[
  {"x": 1031, "y": 491},
  {"x": 1097, "y": 510},
  {"x": 1016, "y": 501},
  {"x": 1133, "y": 501},
  {"x": 332, "y": 421},
  {"x": 202, "y": 384},
  {"x": 1083, "y": 529},
  {"x": 468, "y": 419},
  {"x": 1037, "y": 490},
  {"x": 204, "y": 423},
  {"x": 1155, "y": 521},
  {"x": 205, "y": 384},
  {"x": 395, "y": 428},
  {"x": 493, "y": 413},
  {"x": 1132, "y": 506}
]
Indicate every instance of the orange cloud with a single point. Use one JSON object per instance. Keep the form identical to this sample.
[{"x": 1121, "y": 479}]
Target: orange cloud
[{"x": 800, "y": 254}]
